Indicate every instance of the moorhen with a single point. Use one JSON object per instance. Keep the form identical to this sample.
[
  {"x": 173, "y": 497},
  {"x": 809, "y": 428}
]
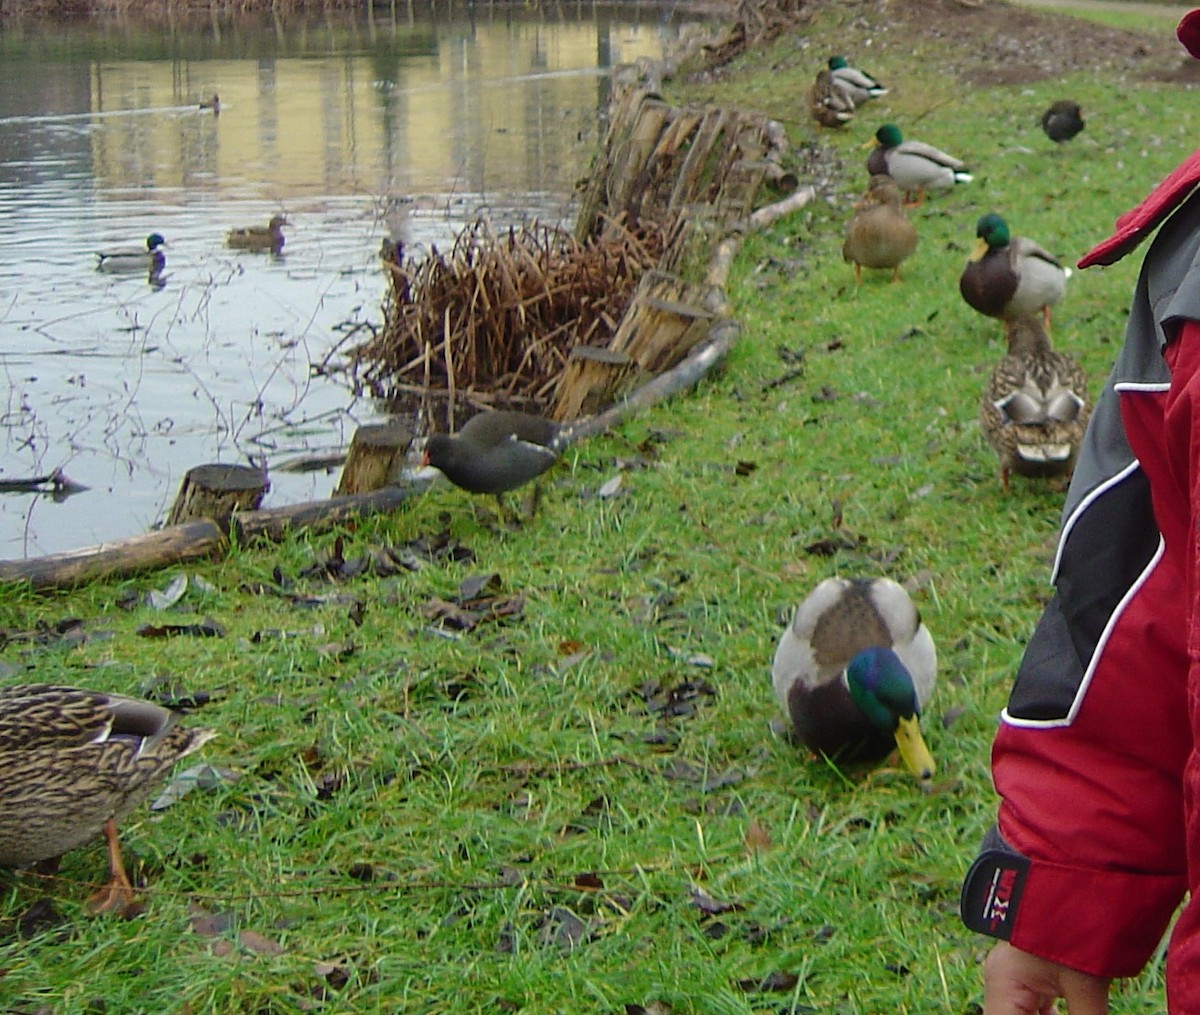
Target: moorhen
[{"x": 495, "y": 452}]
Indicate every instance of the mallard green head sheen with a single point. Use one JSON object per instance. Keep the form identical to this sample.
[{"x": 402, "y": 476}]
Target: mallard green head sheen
[
  {"x": 882, "y": 688},
  {"x": 993, "y": 230}
]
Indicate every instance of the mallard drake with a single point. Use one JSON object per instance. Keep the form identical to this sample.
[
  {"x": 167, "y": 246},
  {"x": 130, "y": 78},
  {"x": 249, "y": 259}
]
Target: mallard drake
[
  {"x": 261, "y": 238},
  {"x": 827, "y": 103},
  {"x": 858, "y": 85},
  {"x": 149, "y": 258},
  {"x": 1035, "y": 405},
  {"x": 854, "y": 669},
  {"x": 1062, "y": 121},
  {"x": 495, "y": 452},
  {"x": 1010, "y": 276},
  {"x": 73, "y": 763},
  {"x": 915, "y": 166},
  {"x": 879, "y": 234}
]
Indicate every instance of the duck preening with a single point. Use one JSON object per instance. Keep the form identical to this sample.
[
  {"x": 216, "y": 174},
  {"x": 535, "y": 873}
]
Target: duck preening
[
  {"x": 828, "y": 104},
  {"x": 1035, "y": 405},
  {"x": 260, "y": 238},
  {"x": 857, "y": 85},
  {"x": 495, "y": 452},
  {"x": 1010, "y": 276},
  {"x": 879, "y": 234},
  {"x": 915, "y": 166},
  {"x": 73, "y": 763},
  {"x": 147, "y": 258},
  {"x": 854, "y": 669}
]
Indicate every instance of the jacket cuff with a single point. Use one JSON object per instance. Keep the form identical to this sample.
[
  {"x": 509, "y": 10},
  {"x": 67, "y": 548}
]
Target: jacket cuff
[{"x": 1105, "y": 923}]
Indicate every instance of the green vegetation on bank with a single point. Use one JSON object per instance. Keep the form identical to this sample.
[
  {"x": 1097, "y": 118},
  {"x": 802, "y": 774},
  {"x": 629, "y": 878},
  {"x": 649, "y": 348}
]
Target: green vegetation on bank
[{"x": 570, "y": 798}]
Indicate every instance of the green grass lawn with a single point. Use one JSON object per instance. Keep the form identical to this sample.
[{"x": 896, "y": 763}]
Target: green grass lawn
[{"x": 571, "y": 798}]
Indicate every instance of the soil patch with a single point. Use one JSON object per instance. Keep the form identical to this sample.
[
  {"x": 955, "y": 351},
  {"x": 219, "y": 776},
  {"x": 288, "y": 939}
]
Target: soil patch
[{"x": 1001, "y": 44}]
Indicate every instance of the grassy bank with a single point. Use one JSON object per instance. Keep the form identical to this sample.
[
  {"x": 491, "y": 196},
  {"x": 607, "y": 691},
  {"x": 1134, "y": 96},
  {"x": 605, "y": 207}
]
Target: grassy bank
[{"x": 558, "y": 790}]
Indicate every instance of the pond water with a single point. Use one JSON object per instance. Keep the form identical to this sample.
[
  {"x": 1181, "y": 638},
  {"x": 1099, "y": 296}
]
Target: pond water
[{"x": 353, "y": 127}]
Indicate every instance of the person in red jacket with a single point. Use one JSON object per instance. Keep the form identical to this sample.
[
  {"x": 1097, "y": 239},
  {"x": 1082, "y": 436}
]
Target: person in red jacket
[{"x": 1097, "y": 838}]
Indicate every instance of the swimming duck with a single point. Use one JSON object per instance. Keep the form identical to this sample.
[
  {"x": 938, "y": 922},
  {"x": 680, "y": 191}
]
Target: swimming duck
[
  {"x": 73, "y": 763},
  {"x": 879, "y": 234},
  {"x": 858, "y": 85},
  {"x": 214, "y": 104},
  {"x": 268, "y": 237},
  {"x": 827, "y": 103},
  {"x": 854, "y": 669},
  {"x": 1062, "y": 121},
  {"x": 1035, "y": 405},
  {"x": 1010, "y": 276},
  {"x": 151, "y": 258},
  {"x": 915, "y": 166},
  {"x": 495, "y": 452}
]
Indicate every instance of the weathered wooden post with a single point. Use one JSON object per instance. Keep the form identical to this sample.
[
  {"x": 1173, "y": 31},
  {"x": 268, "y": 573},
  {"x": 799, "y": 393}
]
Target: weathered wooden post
[
  {"x": 376, "y": 456},
  {"x": 216, "y": 491}
]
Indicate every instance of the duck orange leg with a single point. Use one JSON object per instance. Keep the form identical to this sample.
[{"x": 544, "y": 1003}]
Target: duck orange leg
[{"x": 118, "y": 895}]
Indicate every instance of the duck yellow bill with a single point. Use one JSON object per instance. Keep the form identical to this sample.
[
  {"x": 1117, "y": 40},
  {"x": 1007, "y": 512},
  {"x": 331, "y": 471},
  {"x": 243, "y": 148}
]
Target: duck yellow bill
[
  {"x": 979, "y": 249},
  {"x": 912, "y": 747}
]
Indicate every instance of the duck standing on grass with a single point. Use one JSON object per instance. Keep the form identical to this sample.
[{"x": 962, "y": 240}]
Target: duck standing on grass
[
  {"x": 73, "y": 763},
  {"x": 496, "y": 452},
  {"x": 259, "y": 238},
  {"x": 857, "y": 85},
  {"x": 827, "y": 103},
  {"x": 130, "y": 259},
  {"x": 1010, "y": 276},
  {"x": 915, "y": 166},
  {"x": 854, "y": 669},
  {"x": 1035, "y": 405},
  {"x": 1062, "y": 121},
  {"x": 879, "y": 234}
]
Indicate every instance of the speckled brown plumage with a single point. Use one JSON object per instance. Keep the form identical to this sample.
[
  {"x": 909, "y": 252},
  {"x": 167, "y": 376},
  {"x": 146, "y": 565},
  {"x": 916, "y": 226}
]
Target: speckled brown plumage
[
  {"x": 1035, "y": 405},
  {"x": 73, "y": 763},
  {"x": 828, "y": 104}
]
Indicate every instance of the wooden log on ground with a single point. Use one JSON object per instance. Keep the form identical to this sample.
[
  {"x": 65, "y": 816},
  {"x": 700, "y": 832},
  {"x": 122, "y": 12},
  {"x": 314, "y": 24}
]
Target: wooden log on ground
[
  {"x": 593, "y": 379},
  {"x": 176, "y": 543},
  {"x": 664, "y": 320},
  {"x": 376, "y": 456},
  {"x": 216, "y": 491}
]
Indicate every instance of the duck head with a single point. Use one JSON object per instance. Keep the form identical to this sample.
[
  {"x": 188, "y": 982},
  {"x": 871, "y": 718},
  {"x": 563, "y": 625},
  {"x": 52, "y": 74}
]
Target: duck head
[
  {"x": 991, "y": 233},
  {"x": 882, "y": 688}
]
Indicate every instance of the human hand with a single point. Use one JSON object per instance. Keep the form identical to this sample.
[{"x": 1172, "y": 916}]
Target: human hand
[{"x": 1017, "y": 983}]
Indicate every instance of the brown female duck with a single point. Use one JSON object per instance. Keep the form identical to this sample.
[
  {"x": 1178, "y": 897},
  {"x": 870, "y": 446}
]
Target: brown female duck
[
  {"x": 1035, "y": 405},
  {"x": 73, "y": 763},
  {"x": 879, "y": 234},
  {"x": 260, "y": 238}
]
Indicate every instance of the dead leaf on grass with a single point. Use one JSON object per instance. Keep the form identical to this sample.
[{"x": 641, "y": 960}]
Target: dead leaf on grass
[
  {"x": 207, "y": 628},
  {"x": 776, "y": 982},
  {"x": 709, "y": 906}
]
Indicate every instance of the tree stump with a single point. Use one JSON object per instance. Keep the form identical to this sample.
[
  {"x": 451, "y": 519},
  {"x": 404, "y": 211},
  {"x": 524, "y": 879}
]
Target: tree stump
[
  {"x": 216, "y": 491},
  {"x": 663, "y": 322},
  {"x": 375, "y": 458},
  {"x": 592, "y": 380}
]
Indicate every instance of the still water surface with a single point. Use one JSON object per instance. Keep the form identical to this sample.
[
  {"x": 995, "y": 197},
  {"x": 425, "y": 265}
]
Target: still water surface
[{"x": 352, "y": 128}]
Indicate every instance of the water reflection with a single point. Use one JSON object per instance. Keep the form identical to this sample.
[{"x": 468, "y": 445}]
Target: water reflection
[{"x": 352, "y": 128}]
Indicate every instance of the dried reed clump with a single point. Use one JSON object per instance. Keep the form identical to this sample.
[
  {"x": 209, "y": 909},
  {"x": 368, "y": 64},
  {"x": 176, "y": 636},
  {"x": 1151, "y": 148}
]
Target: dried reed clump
[{"x": 499, "y": 314}]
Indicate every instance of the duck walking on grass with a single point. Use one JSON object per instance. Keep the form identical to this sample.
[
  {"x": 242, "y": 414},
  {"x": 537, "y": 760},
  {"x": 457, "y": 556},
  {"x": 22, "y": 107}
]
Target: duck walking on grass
[
  {"x": 879, "y": 234},
  {"x": 1035, "y": 405},
  {"x": 1062, "y": 121},
  {"x": 259, "y": 238},
  {"x": 857, "y": 85},
  {"x": 73, "y": 763},
  {"x": 130, "y": 259},
  {"x": 915, "y": 166},
  {"x": 1010, "y": 276},
  {"x": 854, "y": 669},
  {"x": 495, "y": 452}
]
